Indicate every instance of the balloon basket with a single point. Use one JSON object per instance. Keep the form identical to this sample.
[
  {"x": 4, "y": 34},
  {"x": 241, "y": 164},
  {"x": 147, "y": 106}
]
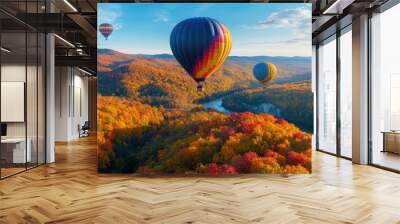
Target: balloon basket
[{"x": 200, "y": 87}]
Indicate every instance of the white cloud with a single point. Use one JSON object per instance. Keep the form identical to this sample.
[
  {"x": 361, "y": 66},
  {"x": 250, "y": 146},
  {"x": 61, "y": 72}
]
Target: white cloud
[
  {"x": 298, "y": 20},
  {"x": 291, "y": 18},
  {"x": 301, "y": 40},
  {"x": 300, "y": 46},
  {"x": 110, "y": 14},
  {"x": 162, "y": 16},
  {"x": 283, "y": 48}
]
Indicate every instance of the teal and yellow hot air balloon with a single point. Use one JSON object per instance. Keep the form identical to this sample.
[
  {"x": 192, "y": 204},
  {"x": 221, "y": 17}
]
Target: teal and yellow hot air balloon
[
  {"x": 265, "y": 72},
  {"x": 200, "y": 45}
]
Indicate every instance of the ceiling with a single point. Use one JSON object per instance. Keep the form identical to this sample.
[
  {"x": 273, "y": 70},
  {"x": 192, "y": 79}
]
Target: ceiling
[{"x": 75, "y": 22}]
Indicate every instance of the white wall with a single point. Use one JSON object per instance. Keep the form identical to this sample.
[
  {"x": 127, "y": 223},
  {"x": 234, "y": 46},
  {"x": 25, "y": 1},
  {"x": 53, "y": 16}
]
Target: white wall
[
  {"x": 61, "y": 103},
  {"x": 71, "y": 102},
  {"x": 80, "y": 111},
  {"x": 14, "y": 73},
  {"x": 33, "y": 126},
  {"x": 13, "y": 101}
]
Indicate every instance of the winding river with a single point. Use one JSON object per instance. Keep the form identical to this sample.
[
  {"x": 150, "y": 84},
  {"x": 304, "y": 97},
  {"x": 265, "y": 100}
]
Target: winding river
[
  {"x": 262, "y": 108},
  {"x": 216, "y": 105}
]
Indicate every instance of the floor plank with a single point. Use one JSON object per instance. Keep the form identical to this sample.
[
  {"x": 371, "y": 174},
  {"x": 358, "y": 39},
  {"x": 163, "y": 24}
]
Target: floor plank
[{"x": 71, "y": 191}]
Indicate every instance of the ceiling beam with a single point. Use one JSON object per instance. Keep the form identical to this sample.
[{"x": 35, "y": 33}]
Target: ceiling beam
[
  {"x": 337, "y": 7},
  {"x": 86, "y": 27},
  {"x": 49, "y": 22},
  {"x": 78, "y": 61}
]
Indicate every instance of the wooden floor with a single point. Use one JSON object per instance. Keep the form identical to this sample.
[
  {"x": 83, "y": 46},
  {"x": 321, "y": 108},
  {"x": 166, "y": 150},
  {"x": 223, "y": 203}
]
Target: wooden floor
[
  {"x": 70, "y": 191},
  {"x": 5, "y": 172},
  {"x": 387, "y": 159}
]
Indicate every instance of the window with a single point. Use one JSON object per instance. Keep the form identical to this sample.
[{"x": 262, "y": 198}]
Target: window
[
  {"x": 327, "y": 96},
  {"x": 346, "y": 93},
  {"x": 385, "y": 89},
  {"x": 394, "y": 102}
]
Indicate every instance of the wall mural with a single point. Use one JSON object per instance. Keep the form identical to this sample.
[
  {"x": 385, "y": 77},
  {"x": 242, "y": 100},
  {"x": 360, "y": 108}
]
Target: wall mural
[{"x": 201, "y": 88}]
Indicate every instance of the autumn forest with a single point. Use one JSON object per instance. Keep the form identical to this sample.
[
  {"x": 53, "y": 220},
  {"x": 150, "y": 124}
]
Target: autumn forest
[{"x": 153, "y": 120}]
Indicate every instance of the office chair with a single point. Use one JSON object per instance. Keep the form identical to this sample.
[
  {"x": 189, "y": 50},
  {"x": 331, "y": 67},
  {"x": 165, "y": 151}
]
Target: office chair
[{"x": 84, "y": 130}]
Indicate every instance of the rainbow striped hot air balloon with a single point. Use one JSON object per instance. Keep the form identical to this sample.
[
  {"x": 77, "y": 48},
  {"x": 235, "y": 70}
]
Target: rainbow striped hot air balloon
[
  {"x": 201, "y": 46},
  {"x": 106, "y": 29},
  {"x": 265, "y": 72}
]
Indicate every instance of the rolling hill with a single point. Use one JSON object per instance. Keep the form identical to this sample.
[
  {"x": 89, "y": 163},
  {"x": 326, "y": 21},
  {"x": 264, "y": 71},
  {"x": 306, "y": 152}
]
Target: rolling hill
[{"x": 160, "y": 80}]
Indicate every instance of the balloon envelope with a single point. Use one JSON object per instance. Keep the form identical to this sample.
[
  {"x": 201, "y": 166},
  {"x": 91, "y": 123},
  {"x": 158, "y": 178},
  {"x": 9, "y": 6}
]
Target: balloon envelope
[
  {"x": 200, "y": 45},
  {"x": 265, "y": 72},
  {"x": 106, "y": 29}
]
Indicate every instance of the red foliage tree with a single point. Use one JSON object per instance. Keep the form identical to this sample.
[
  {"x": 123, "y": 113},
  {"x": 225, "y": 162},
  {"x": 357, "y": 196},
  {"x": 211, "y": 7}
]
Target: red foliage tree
[
  {"x": 214, "y": 169},
  {"x": 228, "y": 169},
  {"x": 243, "y": 165},
  {"x": 298, "y": 135},
  {"x": 296, "y": 158}
]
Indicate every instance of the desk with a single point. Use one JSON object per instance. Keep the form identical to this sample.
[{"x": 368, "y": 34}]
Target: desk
[
  {"x": 391, "y": 141},
  {"x": 13, "y": 150}
]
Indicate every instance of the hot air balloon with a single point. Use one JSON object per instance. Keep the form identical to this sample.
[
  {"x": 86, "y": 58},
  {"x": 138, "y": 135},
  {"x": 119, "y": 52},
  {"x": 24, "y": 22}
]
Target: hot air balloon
[
  {"x": 265, "y": 72},
  {"x": 106, "y": 29},
  {"x": 200, "y": 45}
]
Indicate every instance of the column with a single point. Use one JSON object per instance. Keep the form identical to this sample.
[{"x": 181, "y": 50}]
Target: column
[{"x": 360, "y": 90}]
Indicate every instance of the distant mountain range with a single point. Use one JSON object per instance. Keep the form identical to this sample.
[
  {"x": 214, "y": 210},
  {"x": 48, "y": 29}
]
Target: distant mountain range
[{"x": 273, "y": 59}]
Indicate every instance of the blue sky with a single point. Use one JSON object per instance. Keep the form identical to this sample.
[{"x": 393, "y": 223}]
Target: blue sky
[{"x": 272, "y": 29}]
